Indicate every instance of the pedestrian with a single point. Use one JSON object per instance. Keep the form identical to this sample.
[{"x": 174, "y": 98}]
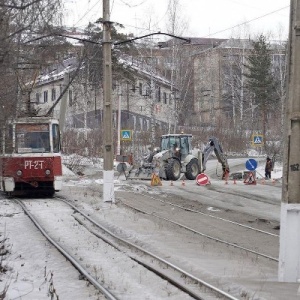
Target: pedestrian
[{"x": 268, "y": 168}]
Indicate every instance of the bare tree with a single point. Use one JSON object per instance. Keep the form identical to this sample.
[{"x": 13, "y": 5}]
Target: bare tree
[
  {"x": 20, "y": 60},
  {"x": 179, "y": 67}
]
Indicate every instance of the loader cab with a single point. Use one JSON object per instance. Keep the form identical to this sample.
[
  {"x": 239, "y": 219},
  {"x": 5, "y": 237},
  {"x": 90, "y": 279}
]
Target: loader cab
[{"x": 179, "y": 144}]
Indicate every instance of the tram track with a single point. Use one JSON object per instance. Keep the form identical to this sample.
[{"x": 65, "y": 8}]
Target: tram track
[
  {"x": 210, "y": 215},
  {"x": 159, "y": 213},
  {"x": 67, "y": 255},
  {"x": 196, "y": 288}
]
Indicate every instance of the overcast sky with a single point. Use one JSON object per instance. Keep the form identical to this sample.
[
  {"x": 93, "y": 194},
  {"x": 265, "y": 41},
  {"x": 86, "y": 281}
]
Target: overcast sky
[{"x": 215, "y": 18}]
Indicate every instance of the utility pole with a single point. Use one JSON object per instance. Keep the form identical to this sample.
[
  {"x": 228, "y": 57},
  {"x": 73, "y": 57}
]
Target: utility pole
[
  {"x": 119, "y": 119},
  {"x": 108, "y": 172},
  {"x": 289, "y": 254}
]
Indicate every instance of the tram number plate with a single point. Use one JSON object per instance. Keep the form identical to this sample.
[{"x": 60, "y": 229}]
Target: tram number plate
[{"x": 33, "y": 164}]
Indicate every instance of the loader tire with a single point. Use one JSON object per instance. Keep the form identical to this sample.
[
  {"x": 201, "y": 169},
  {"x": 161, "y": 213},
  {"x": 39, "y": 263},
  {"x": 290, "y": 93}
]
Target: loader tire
[
  {"x": 173, "y": 169},
  {"x": 192, "y": 169}
]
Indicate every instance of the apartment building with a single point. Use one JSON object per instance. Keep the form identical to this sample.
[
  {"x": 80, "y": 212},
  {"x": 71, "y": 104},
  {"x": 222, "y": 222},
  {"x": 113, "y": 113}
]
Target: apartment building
[{"x": 145, "y": 99}]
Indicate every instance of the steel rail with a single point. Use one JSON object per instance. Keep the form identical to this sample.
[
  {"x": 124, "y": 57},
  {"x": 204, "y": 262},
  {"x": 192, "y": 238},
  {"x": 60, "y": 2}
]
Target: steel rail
[
  {"x": 74, "y": 262},
  {"x": 212, "y": 216},
  {"x": 202, "y": 234},
  {"x": 216, "y": 290}
]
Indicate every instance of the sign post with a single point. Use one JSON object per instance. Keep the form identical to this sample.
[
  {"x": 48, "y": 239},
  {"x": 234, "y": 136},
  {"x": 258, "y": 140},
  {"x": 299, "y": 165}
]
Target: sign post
[{"x": 251, "y": 165}]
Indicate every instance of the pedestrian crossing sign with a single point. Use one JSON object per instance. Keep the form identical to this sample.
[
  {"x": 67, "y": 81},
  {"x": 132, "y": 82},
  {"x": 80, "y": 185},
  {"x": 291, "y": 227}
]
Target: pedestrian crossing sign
[
  {"x": 257, "y": 140},
  {"x": 126, "y": 135}
]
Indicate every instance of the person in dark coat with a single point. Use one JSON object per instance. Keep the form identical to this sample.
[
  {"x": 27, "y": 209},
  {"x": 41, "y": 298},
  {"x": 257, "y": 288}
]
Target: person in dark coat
[{"x": 268, "y": 168}]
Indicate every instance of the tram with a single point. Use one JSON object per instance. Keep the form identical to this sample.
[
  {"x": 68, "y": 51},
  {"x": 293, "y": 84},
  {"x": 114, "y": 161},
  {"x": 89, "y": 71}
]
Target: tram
[{"x": 30, "y": 156}]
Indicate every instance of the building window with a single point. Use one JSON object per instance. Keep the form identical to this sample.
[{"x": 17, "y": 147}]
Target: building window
[
  {"x": 133, "y": 88},
  {"x": 158, "y": 94},
  {"x": 165, "y": 97},
  {"x": 141, "y": 88},
  {"x": 70, "y": 98},
  {"x": 37, "y": 98},
  {"x": 53, "y": 94},
  {"x": 148, "y": 91},
  {"x": 45, "y": 96}
]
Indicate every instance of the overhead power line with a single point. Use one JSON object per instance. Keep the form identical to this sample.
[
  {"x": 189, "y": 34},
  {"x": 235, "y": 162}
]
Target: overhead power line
[
  {"x": 98, "y": 2},
  {"x": 209, "y": 35},
  {"x": 260, "y": 17},
  {"x": 223, "y": 30}
]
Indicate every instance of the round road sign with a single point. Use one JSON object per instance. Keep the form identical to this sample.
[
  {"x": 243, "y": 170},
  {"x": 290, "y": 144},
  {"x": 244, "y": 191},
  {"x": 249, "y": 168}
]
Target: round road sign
[
  {"x": 251, "y": 164},
  {"x": 202, "y": 179}
]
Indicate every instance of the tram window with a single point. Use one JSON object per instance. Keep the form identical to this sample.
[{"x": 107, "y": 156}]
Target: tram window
[
  {"x": 56, "y": 138},
  {"x": 38, "y": 141},
  {"x": 33, "y": 138},
  {"x": 9, "y": 139}
]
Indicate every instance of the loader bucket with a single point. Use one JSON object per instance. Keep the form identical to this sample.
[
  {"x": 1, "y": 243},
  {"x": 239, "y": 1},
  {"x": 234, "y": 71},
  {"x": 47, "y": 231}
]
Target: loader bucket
[{"x": 140, "y": 174}]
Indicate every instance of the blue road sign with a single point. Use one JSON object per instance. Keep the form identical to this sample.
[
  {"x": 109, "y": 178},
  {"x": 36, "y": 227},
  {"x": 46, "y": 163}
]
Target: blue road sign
[
  {"x": 251, "y": 164},
  {"x": 257, "y": 139},
  {"x": 126, "y": 135}
]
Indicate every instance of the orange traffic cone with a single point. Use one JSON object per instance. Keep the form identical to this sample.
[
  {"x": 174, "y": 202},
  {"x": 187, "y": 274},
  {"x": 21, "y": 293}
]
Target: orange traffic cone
[{"x": 183, "y": 183}]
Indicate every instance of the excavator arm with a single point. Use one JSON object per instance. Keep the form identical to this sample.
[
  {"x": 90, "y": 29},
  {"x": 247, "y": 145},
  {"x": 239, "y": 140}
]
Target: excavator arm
[{"x": 214, "y": 145}]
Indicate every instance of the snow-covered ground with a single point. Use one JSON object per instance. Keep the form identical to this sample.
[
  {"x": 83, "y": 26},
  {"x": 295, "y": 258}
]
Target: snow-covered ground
[{"x": 34, "y": 268}]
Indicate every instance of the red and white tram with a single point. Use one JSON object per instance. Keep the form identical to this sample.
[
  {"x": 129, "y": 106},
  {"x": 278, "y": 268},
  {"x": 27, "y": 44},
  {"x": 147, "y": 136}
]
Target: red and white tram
[{"x": 30, "y": 157}]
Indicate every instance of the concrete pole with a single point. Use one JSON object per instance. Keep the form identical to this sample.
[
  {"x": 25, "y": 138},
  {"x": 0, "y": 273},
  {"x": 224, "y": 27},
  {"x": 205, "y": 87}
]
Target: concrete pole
[
  {"x": 119, "y": 120},
  {"x": 108, "y": 172},
  {"x": 289, "y": 254}
]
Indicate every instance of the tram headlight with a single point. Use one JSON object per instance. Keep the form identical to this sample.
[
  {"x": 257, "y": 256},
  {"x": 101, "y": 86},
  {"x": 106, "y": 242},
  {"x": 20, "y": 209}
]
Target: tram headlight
[
  {"x": 19, "y": 173},
  {"x": 47, "y": 172}
]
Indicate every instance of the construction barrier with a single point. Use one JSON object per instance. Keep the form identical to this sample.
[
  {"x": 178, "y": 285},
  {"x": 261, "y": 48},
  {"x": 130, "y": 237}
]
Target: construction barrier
[
  {"x": 250, "y": 179},
  {"x": 202, "y": 179},
  {"x": 155, "y": 180}
]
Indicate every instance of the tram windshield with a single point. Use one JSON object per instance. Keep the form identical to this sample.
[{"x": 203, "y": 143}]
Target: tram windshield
[{"x": 32, "y": 138}]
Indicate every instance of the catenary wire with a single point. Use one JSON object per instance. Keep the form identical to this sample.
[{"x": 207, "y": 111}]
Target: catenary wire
[
  {"x": 246, "y": 22},
  {"x": 223, "y": 30}
]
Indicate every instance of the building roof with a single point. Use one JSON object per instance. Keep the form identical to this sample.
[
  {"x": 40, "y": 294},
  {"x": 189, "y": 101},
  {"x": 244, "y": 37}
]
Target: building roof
[
  {"x": 194, "y": 42},
  {"x": 144, "y": 70},
  {"x": 57, "y": 71}
]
